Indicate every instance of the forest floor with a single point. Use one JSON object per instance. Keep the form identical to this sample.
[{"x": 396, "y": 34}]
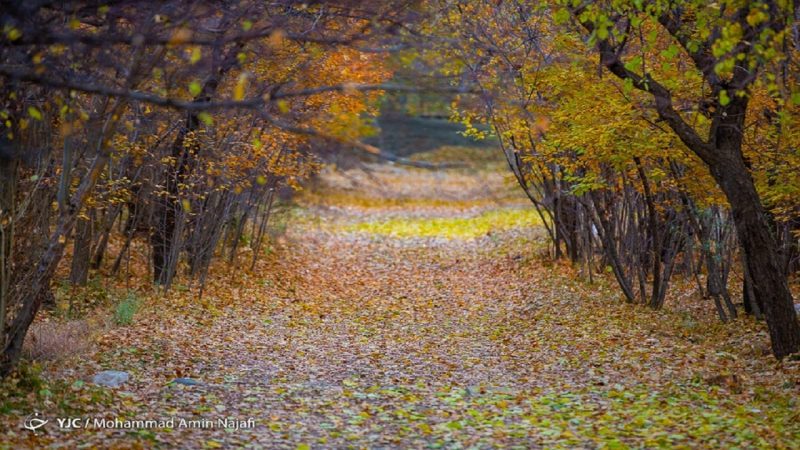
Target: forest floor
[{"x": 405, "y": 308}]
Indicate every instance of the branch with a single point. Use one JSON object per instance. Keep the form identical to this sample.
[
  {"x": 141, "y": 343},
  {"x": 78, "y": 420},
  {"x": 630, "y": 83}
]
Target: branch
[
  {"x": 138, "y": 39},
  {"x": 702, "y": 58},
  {"x": 190, "y": 105},
  {"x": 610, "y": 58}
]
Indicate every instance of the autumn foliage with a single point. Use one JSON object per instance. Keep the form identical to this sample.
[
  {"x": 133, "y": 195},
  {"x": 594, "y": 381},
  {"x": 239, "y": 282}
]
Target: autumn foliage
[{"x": 157, "y": 149}]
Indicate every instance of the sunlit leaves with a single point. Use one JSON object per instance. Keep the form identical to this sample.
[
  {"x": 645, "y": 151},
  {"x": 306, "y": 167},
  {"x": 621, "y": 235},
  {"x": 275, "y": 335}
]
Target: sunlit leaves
[{"x": 561, "y": 16}]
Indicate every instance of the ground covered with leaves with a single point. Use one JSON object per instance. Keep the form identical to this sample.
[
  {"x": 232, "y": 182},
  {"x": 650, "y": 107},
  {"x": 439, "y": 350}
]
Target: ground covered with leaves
[{"x": 406, "y": 308}]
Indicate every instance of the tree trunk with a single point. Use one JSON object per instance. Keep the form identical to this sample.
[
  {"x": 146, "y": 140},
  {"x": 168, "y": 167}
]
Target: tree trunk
[
  {"x": 8, "y": 182},
  {"x": 722, "y": 154},
  {"x": 760, "y": 247},
  {"x": 31, "y": 291},
  {"x": 748, "y": 296},
  {"x": 79, "y": 271},
  {"x": 167, "y": 229}
]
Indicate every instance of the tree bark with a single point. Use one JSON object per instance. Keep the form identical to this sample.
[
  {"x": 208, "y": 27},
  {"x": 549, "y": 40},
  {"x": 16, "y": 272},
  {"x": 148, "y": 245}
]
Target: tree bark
[
  {"x": 79, "y": 271},
  {"x": 769, "y": 282},
  {"x": 8, "y": 182}
]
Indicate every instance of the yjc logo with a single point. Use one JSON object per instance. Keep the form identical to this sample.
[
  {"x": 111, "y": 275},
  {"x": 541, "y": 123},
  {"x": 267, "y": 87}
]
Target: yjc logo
[{"x": 33, "y": 422}]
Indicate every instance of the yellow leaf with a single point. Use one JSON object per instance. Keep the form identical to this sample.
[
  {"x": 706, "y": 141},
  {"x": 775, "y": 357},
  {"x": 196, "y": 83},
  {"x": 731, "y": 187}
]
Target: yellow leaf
[
  {"x": 196, "y": 54},
  {"x": 238, "y": 90},
  {"x": 283, "y": 106}
]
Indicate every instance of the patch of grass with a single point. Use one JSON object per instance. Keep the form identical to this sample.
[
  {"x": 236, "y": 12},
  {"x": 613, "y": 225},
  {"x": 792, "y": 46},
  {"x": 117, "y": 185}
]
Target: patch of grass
[
  {"x": 126, "y": 309},
  {"x": 452, "y": 227}
]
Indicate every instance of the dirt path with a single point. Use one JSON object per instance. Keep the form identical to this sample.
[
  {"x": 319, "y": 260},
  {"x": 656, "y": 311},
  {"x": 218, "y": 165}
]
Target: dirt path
[{"x": 418, "y": 313}]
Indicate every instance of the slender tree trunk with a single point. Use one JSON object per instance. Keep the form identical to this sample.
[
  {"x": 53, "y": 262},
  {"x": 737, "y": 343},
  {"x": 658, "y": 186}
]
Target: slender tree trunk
[
  {"x": 655, "y": 238},
  {"x": 165, "y": 236},
  {"x": 8, "y": 181},
  {"x": 79, "y": 272},
  {"x": 31, "y": 291}
]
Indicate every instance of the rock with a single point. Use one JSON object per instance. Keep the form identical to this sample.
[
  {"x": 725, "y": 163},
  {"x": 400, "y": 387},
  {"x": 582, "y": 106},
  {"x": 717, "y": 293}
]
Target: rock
[
  {"x": 110, "y": 378},
  {"x": 187, "y": 381}
]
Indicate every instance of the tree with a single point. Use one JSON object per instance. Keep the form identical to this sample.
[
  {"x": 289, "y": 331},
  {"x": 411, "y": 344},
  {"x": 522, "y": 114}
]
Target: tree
[
  {"x": 732, "y": 45},
  {"x": 698, "y": 117},
  {"x": 101, "y": 105}
]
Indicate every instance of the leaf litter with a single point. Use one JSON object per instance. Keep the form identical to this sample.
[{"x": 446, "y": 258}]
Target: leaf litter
[{"x": 367, "y": 328}]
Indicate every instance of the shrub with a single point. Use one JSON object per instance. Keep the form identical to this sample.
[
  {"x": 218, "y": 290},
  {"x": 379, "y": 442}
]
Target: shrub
[
  {"x": 52, "y": 340},
  {"x": 126, "y": 309}
]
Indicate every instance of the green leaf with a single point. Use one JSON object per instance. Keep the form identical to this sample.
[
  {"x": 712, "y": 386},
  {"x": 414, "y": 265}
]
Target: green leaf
[
  {"x": 205, "y": 118},
  {"x": 671, "y": 52},
  {"x": 723, "y": 97},
  {"x": 195, "y": 88},
  {"x": 602, "y": 32},
  {"x": 634, "y": 64},
  {"x": 561, "y": 16},
  {"x": 35, "y": 113},
  {"x": 455, "y": 425},
  {"x": 627, "y": 86}
]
